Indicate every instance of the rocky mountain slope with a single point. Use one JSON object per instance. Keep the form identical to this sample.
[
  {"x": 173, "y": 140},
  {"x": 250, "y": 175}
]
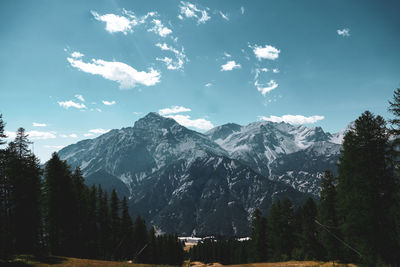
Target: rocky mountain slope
[{"x": 191, "y": 183}]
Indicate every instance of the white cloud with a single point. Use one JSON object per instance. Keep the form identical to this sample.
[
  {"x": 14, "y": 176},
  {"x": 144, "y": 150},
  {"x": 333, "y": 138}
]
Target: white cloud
[
  {"x": 180, "y": 57},
  {"x": 344, "y": 32},
  {"x": 80, "y": 97},
  {"x": 185, "y": 120},
  {"x": 69, "y": 135},
  {"x": 54, "y": 147},
  {"x": 224, "y": 16},
  {"x": 68, "y": 104},
  {"x": 242, "y": 9},
  {"x": 189, "y": 10},
  {"x": 173, "y": 110},
  {"x": 159, "y": 28},
  {"x": 125, "y": 75},
  {"x": 136, "y": 113},
  {"x": 88, "y": 134},
  {"x": 293, "y": 119},
  {"x": 99, "y": 131},
  {"x": 258, "y": 71},
  {"x": 266, "y": 88},
  {"x": 37, "y": 124},
  {"x": 115, "y": 23},
  {"x": 77, "y": 54},
  {"x": 35, "y": 135},
  {"x": 275, "y": 70},
  {"x": 109, "y": 103},
  {"x": 266, "y": 52},
  {"x": 208, "y": 84},
  {"x": 227, "y": 55},
  {"x": 230, "y": 65}
]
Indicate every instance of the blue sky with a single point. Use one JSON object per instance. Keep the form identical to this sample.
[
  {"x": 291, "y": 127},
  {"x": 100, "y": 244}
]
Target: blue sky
[{"x": 71, "y": 70}]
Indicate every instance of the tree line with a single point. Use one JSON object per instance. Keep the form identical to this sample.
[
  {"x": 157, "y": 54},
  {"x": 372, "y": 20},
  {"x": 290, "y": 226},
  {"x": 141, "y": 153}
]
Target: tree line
[
  {"x": 356, "y": 219},
  {"x": 52, "y": 211}
]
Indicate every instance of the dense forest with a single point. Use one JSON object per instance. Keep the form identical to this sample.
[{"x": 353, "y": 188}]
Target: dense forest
[
  {"x": 357, "y": 217},
  {"x": 52, "y": 212}
]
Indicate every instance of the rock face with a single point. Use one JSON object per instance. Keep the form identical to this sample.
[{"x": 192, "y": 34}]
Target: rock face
[{"x": 186, "y": 182}]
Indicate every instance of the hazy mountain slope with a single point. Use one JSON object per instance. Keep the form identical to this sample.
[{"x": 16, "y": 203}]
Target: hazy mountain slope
[
  {"x": 187, "y": 182},
  {"x": 296, "y": 155}
]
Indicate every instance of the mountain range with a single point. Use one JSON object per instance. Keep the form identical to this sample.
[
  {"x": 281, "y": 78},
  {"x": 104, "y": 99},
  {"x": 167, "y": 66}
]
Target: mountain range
[{"x": 192, "y": 183}]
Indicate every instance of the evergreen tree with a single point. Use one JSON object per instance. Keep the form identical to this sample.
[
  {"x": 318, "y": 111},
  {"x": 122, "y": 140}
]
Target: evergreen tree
[
  {"x": 140, "y": 239},
  {"x": 394, "y": 108},
  {"x": 259, "y": 237},
  {"x": 5, "y": 238},
  {"x": 80, "y": 214},
  {"x": 115, "y": 223},
  {"x": 308, "y": 234},
  {"x": 23, "y": 174},
  {"x": 366, "y": 191},
  {"x": 126, "y": 237},
  {"x": 327, "y": 216},
  {"x": 280, "y": 230},
  {"x": 59, "y": 208}
]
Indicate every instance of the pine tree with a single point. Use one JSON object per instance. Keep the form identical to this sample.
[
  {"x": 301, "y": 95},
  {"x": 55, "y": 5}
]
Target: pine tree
[
  {"x": 366, "y": 191},
  {"x": 115, "y": 226},
  {"x": 140, "y": 239},
  {"x": 308, "y": 233},
  {"x": 80, "y": 214},
  {"x": 280, "y": 230},
  {"x": 259, "y": 237},
  {"x": 394, "y": 108},
  {"x": 4, "y": 199},
  {"x": 327, "y": 216},
  {"x": 23, "y": 174},
  {"x": 126, "y": 237},
  {"x": 59, "y": 211}
]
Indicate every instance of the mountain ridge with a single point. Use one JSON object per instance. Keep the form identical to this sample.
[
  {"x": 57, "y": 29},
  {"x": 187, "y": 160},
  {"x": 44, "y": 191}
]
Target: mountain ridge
[{"x": 157, "y": 157}]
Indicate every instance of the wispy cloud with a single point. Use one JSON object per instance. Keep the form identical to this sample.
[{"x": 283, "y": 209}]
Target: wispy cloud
[
  {"x": 227, "y": 55},
  {"x": 33, "y": 135},
  {"x": 71, "y": 104},
  {"x": 76, "y": 54},
  {"x": 185, "y": 120},
  {"x": 173, "y": 110},
  {"x": 37, "y": 124},
  {"x": 159, "y": 28},
  {"x": 115, "y": 23},
  {"x": 344, "y": 32},
  {"x": 99, "y": 131},
  {"x": 80, "y": 97},
  {"x": 109, "y": 103},
  {"x": 275, "y": 70},
  {"x": 293, "y": 119},
  {"x": 266, "y": 52},
  {"x": 180, "y": 57},
  {"x": 242, "y": 9},
  {"x": 125, "y": 75},
  {"x": 190, "y": 10},
  {"x": 230, "y": 65},
  {"x": 88, "y": 134},
  {"x": 224, "y": 16},
  {"x": 69, "y": 135},
  {"x": 266, "y": 88},
  {"x": 208, "y": 84}
]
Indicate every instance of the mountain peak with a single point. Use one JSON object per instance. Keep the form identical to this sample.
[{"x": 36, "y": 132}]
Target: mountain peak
[{"x": 154, "y": 119}]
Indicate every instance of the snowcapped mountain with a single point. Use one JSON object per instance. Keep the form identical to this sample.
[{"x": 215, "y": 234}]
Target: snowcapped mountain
[
  {"x": 296, "y": 155},
  {"x": 187, "y": 182}
]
